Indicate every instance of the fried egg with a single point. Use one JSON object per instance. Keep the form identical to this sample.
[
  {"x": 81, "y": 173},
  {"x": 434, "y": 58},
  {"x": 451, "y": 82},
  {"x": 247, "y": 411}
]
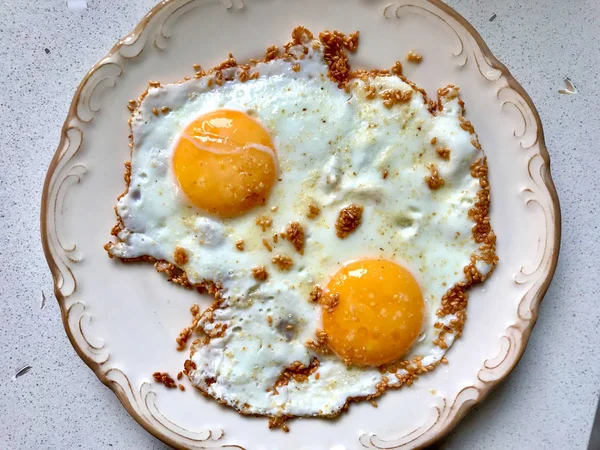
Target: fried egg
[{"x": 341, "y": 222}]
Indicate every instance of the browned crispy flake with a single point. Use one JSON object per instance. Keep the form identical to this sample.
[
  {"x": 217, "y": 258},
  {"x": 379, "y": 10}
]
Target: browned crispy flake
[
  {"x": 155, "y": 111},
  {"x": 267, "y": 245},
  {"x": 119, "y": 226},
  {"x": 271, "y": 53},
  {"x": 189, "y": 366},
  {"x": 440, "y": 342},
  {"x": 433, "y": 140},
  {"x": 217, "y": 331},
  {"x": 335, "y": 45},
  {"x": 414, "y": 57},
  {"x": 243, "y": 75},
  {"x": 385, "y": 174},
  {"x": 472, "y": 274},
  {"x": 200, "y": 74},
  {"x": 296, "y": 371},
  {"x": 392, "y": 96},
  {"x": 116, "y": 229},
  {"x": 448, "y": 92},
  {"x": 260, "y": 273},
  {"x": 279, "y": 422},
  {"x": 284, "y": 262},
  {"x": 351, "y": 41},
  {"x": 348, "y": 220},
  {"x": 180, "y": 256},
  {"x": 183, "y": 338},
  {"x": 296, "y": 67},
  {"x": 466, "y": 125},
  {"x": 382, "y": 385},
  {"x": 186, "y": 333},
  {"x": 127, "y": 174},
  {"x": 164, "y": 378},
  {"x": 454, "y": 300},
  {"x": 434, "y": 181},
  {"x": 370, "y": 91},
  {"x": 295, "y": 234},
  {"x": 316, "y": 293},
  {"x": 443, "y": 152},
  {"x": 227, "y": 64},
  {"x": 329, "y": 301},
  {"x": 239, "y": 244},
  {"x": 397, "y": 68},
  {"x": 181, "y": 387},
  {"x": 209, "y": 313},
  {"x": 174, "y": 273},
  {"x": 301, "y": 35},
  {"x": 482, "y": 231},
  {"x": 264, "y": 222},
  {"x": 313, "y": 211},
  {"x": 319, "y": 344}
]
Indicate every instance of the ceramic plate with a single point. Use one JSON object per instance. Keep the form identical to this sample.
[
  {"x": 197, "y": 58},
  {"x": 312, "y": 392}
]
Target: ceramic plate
[{"x": 123, "y": 320}]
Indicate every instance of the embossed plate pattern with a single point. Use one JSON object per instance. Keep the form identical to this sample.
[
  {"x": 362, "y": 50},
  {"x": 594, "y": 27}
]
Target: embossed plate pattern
[{"x": 123, "y": 321}]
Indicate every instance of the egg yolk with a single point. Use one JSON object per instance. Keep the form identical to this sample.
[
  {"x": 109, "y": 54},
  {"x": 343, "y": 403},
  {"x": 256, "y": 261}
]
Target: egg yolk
[
  {"x": 225, "y": 163},
  {"x": 379, "y": 315}
]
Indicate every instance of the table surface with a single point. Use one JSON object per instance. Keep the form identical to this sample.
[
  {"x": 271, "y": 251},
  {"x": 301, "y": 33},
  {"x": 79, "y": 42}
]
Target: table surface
[{"x": 547, "y": 402}]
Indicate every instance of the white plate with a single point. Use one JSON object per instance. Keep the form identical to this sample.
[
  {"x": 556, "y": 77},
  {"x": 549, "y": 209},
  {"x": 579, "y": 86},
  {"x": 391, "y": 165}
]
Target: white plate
[{"x": 123, "y": 320}]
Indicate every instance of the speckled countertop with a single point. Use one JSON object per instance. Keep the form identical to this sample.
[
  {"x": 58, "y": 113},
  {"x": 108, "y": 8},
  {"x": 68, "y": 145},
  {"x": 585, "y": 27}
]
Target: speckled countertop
[{"x": 547, "y": 402}]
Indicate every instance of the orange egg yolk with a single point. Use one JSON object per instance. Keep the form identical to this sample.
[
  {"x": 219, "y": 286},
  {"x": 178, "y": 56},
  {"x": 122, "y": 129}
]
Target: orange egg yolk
[
  {"x": 225, "y": 163},
  {"x": 379, "y": 315}
]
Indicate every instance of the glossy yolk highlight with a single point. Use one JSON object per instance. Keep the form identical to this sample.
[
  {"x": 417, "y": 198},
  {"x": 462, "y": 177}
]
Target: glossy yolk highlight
[
  {"x": 225, "y": 163},
  {"x": 379, "y": 315}
]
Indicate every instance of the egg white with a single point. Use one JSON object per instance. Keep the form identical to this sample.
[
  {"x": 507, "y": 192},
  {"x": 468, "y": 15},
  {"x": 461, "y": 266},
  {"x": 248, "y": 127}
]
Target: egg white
[{"x": 332, "y": 148}]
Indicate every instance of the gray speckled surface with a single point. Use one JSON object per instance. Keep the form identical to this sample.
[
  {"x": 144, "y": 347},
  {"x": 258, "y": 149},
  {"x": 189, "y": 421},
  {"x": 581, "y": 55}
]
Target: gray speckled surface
[{"x": 547, "y": 402}]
